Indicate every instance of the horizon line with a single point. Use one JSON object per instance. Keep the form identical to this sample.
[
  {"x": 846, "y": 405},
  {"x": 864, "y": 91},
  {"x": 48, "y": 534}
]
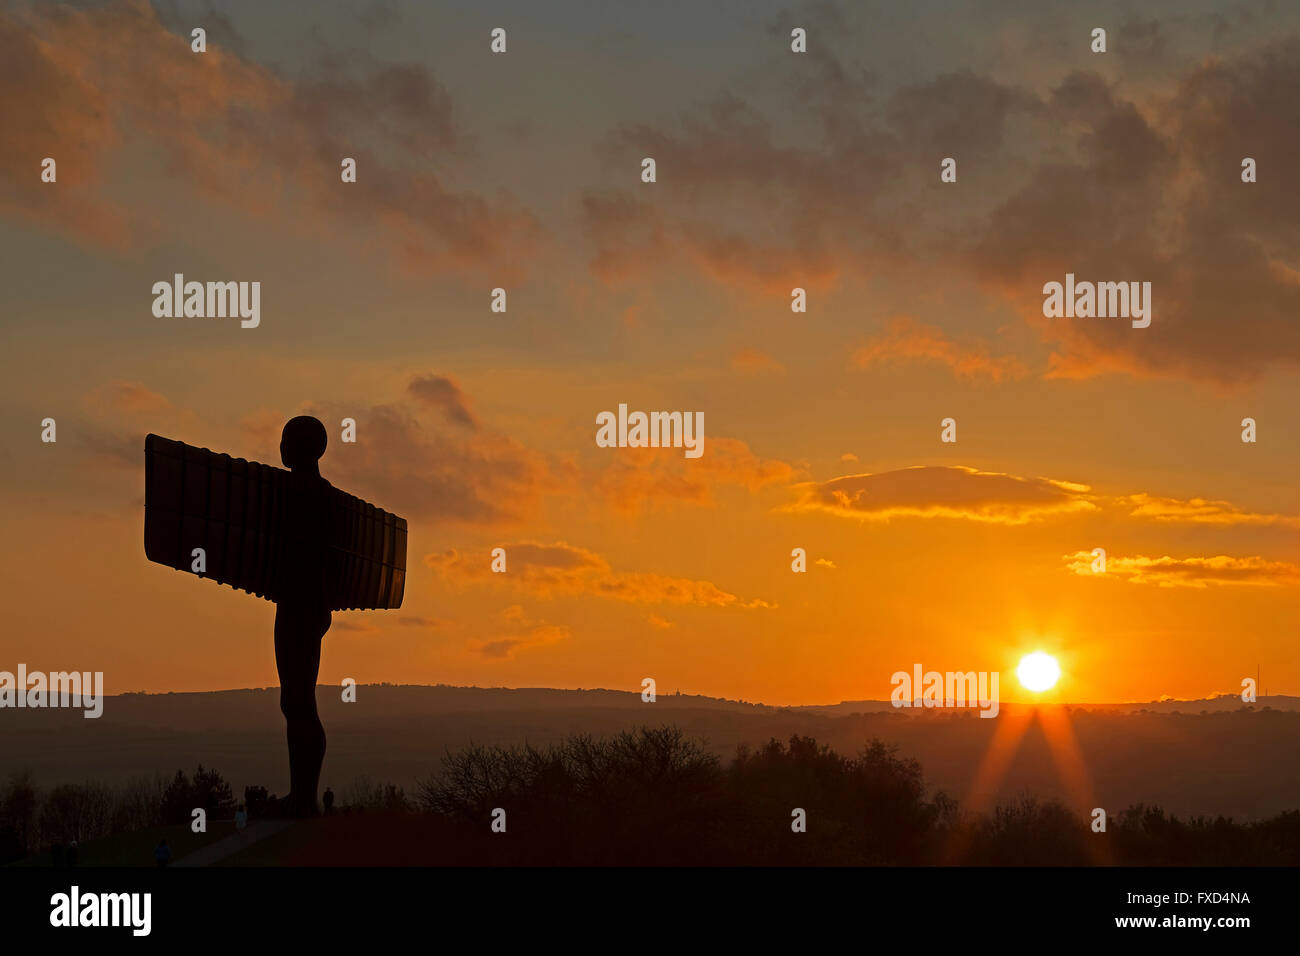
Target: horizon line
[{"x": 729, "y": 700}]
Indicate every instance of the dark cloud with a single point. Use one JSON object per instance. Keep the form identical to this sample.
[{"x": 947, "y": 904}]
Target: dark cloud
[
  {"x": 438, "y": 391},
  {"x": 113, "y": 448},
  {"x": 1159, "y": 198},
  {"x": 237, "y": 132},
  {"x": 955, "y": 114},
  {"x": 426, "y": 470},
  {"x": 1086, "y": 178}
]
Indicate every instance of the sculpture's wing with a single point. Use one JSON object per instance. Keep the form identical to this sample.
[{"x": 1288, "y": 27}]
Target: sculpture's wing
[
  {"x": 231, "y": 508},
  {"x": 366, "y": 562},
  {"x": 237, "y": 511}
]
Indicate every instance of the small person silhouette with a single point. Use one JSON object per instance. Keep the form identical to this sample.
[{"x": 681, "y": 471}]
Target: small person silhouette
[
  {"x": 302, "y": 615},
  {"x": 328, "y": 800},
  {"x": 162, "y": 853},
  {"x": 72, "y": 854}
]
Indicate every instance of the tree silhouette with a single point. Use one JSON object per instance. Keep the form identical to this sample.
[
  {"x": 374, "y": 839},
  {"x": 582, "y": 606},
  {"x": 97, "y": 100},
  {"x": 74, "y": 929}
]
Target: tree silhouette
[{"x": 208, "y": 790}]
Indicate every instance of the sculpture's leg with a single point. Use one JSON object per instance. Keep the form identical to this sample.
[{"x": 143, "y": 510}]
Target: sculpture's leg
[{"x": 298, "y": 634}]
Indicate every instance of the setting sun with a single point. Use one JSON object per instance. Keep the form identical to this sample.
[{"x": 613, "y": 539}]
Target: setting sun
[{"x": 1038, "y": 671}]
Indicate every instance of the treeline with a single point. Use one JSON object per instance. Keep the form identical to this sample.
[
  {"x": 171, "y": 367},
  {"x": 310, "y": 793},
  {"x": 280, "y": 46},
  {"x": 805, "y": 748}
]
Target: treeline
[
  {"x": 32, "y": 820},
  {"x": 655, "y": 796}
]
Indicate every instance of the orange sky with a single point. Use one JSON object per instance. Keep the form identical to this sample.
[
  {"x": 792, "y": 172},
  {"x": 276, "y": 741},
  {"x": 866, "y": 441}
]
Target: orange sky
[{"x": 822, "y": 429}]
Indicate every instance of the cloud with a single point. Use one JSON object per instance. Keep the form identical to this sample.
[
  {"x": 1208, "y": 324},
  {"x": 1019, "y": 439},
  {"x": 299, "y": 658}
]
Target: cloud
[
  {"x": 361, "y": 625},
  {"x": 518, "y": 632},
  {"x": 1203, "y": 511},
  {"x": 958, "y": 491},
  {"x": 752, "y": 203},
  {"x": 553, "y": 570},
  {"x": 624, "y": 233},
  {"x": 130, "y": 397},
  {"x": 262, "y": 427},
  {"x": 646, "y": 476},
  {"x": 111, "y": 447},
  {"x": 428, "y": 623},
  {"x": 753, "y": 362},
  {"x": 1153, "y": 192},
  {"x": 419, "y": 469},
  {"x": 438, "y": 391},
  {"x": 116, "y": 417},
  {"x": 366, "y": 623},
  {"x": 960, "y": 113},
  {"x": 97, "y": 79},
  {"x": 505, "y": 648},
  {"x": 427, "y": 456},
  {"x": 942, "y": 491},
  {"x": 428, "y": 467},
  {"x": 1191, "y": 572},
  {"x": 808, "y": 170},
  {"x": 910, "y": 341},
  {"x": 632, "y": 239}
]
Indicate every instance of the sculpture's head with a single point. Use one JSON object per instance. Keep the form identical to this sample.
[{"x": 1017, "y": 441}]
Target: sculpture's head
[{"x": 303, "y": 442}]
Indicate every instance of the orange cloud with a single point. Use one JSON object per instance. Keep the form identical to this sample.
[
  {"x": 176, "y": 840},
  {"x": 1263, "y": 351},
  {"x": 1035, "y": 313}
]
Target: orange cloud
[
  {"x": 128, "y": 397},
  {"x": 941, "y": 491},
  {"x": 262, "y": 427},
  {"x": 1203, "y": 511},
  {"x": 1193, "y": 572},
  {"x": 520, "y": 633},
  {"x": 548, "y": 571},
  {"x": 910, "y": 341},
  {"x": 642, "y": 476},
  {"x": 117, "y": 416},
  {"x": 753, "y": 362}
]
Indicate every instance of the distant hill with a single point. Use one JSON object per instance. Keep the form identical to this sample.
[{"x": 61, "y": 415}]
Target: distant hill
[
  {"x": 1222, "y": 702},
  {"x": 1208, "y": 757}
]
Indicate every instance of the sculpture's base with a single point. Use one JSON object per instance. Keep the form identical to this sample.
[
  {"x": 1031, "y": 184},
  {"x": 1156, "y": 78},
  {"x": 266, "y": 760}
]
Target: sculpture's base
[{"x": 291, "y": 808}]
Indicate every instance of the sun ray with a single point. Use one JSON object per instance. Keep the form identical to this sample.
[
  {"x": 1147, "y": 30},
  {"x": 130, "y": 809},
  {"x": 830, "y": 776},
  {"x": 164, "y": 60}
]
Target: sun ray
[
  {"x": 1070, "y": 766},
  {"x": 980, "y": 795},
  {"x": 1037, "y": 672}
]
